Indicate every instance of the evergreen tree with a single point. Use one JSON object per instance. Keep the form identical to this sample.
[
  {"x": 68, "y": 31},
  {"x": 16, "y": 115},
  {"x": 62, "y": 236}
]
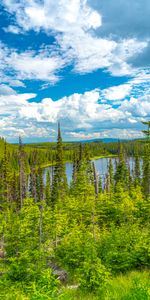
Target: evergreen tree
[
  {"x": 122, "y": 173},
  {"x": 137, "y": 171},
  {"x": 39, "y": 184},
  {"x": 33, "y": 176},
  {"x": 5, "y": 175},
  {"x": 146, "y": 171},
  {"x": 147, "y": 132},
  {"x": 111, "y": 173},
  {"x": 146, "y": 162},
  {"x": 48, "y": 189},
  {"x": 100, "y": 188},
  {"x": 75, "y": 166},
  {"x": 22, "y": 173},
  {"x": 15, "y": 190},
  {"x": 59, "y": 185},
  {"x": 33, "y": 183}
]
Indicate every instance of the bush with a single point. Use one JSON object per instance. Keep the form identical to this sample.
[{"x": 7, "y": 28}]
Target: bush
[
  {"x": 125, "y": 248},
  {"x": 44, "y": 288},
  {"x": 93, "y": 275}
]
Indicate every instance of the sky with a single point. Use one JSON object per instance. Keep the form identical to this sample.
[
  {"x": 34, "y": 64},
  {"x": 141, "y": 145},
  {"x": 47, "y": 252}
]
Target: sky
[{"x": 83, "y": 63}]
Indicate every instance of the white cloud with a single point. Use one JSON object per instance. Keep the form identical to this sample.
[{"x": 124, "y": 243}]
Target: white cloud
[
  {"x": 6, "y": 90},
  {"x": 117, "y": 92},
  {"x": 115, "y": 133},
  {"x": 11, "y": 104},
  {"x": 12, "y": 29},
  {"x": 29, "y": 65},
  {"x": 82, "y": 111},
  {"x": 79, "y": 42},
  {"x": 137, "y": 107},
  {"x": 52, "y": 15}
]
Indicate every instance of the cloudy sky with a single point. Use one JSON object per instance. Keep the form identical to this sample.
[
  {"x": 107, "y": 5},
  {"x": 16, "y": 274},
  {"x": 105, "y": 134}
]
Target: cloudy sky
[{"x": 85, "y": 63}]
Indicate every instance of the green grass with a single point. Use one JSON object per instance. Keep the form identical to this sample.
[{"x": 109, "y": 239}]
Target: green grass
[
  {"x": 50, "y": 164},
  {"x": 103, "y": 156},
  {"x": 132, "y": 286}
]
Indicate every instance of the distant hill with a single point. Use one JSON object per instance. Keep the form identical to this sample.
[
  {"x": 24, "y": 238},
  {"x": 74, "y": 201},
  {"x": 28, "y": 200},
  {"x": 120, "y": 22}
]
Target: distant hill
[
  {"x": 108, "y": 140},
  {"x": 105, "y": 140}
]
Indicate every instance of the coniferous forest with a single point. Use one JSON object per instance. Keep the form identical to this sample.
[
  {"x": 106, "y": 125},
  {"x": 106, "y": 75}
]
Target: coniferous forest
[{"x": 87, "y": 240}]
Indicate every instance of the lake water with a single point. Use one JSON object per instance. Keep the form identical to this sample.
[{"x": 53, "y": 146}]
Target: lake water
[{"x": 100, "y": 164}]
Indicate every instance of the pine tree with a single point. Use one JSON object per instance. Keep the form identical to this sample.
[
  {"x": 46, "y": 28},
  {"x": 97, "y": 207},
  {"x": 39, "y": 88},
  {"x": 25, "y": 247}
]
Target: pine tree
[
  {"x": 39, "y": 184},
  {"x": 59, "y": 185},
  {"x": 122, "y": 173},
  {"x": 33, "y": 183},
  {"x": 146, "y": 162},
  {"x": 75, "y": 167},
  {"x": 137, "y": 171},
  {"x": 100, "y": 188},
  {"x": 15, "y": 190},
  {"x": 6, "y": 174},
  {"x": 147, "y": 132},
  {"x": 22, "y": 173},
  {"x": 33, "y": 176},
  {"x": 94, "y": 177},
  {"x": 110, "y": 179},
  {"x": 48, "y": 189}
]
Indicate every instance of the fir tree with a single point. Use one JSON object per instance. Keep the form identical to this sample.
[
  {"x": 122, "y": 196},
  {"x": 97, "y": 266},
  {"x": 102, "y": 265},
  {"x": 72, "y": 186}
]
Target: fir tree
[
  {"x": 59, "y": 185},
  {"x": 22, "y": 174},
  {"x": 137, "y": 171},
  {"x": 48, "y": 189},
  {"x": 122, "y": 173},
  {"x": 146, "y": 162}
]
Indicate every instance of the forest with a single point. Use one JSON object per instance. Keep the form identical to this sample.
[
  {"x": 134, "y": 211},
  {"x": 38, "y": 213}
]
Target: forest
[{"x": 89, "y": 240}]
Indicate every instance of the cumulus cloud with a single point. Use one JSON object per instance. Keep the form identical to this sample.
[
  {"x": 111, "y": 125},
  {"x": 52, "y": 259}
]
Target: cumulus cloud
[
  {"x": 6, "y": 90},
  {"x": 117, "y": 92},
  {"x": 137, "y": 107},
  {"x": 79, "y": 110},
  {"x": 88, "y": 36},
  {"x": 12, "y": 29},
  {"x": 116, "y": 133},
  {"x": 29, "y": 65},
  {"x": 84, "y": 112},
  {"x": 74, "y": 23},
  {"x": 51, "y": 15}
]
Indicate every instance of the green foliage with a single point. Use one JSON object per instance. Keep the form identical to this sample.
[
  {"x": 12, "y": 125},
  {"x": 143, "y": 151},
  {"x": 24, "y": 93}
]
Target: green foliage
[
  {"x": 59, "y": 186},
  {"x": 45, "y": 287},
  {"x": 134, "y": 285},
  {"x": 125, "y": 248},
  {"x": 96, "y": 235},
  {"x": 93, "y": 275}
]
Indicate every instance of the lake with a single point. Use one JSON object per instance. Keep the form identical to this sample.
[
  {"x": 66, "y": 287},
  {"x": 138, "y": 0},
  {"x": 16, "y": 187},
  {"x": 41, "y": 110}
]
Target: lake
[{"x": 101, "y": 165}]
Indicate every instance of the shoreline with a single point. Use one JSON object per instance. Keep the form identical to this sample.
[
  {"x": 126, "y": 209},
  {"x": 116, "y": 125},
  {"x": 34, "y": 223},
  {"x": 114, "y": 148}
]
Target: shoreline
[{"x": 51, "y": 164}]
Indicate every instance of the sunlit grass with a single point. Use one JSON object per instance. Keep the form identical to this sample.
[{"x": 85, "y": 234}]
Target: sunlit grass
[{"x": 132, "y": 286}]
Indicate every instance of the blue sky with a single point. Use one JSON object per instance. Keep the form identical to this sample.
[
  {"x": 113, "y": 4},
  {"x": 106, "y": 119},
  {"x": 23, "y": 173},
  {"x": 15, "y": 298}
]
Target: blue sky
[{"x": 83, "y": 63}]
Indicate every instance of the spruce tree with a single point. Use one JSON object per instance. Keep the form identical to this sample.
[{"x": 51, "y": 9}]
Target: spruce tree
[
  {"x": 48, "y": 189},
  {"x": 33, "y": 176},
  {"x": 5, "y": 175},
  {"x": 75, "y": 167},
  {"x": 122, "y": 173},
  {"x": 137, "y": 171},
  {"x": 146, "y": 162},
  {"x": 147, "y": 132},
  {"x": 22, "y": 173},
  {"x": 59, "y": 185}
]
